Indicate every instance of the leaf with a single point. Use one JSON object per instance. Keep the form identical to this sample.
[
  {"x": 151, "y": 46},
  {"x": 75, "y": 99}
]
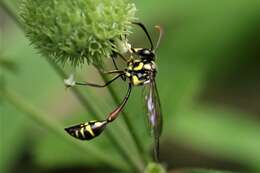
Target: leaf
[
  {"x": 8, "y": 65},
  {"x": 221, "y": 132},
  {"x": 50, "y": 144},
  {"x": 12, "y": 130}
]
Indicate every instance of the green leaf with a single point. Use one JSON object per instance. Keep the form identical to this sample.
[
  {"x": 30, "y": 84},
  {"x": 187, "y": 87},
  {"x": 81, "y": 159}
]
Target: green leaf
[
  {"x": 55, "y": 127},
  {"x": 12, "y": 133},
  {"x": 8, "y": 65},
  {"x": 221, "y": 132},
  {"x": 51, "y": 144}
]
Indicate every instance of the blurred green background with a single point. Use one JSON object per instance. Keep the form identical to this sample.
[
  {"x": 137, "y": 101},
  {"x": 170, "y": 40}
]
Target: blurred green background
[{"x": 208, "y": 82}]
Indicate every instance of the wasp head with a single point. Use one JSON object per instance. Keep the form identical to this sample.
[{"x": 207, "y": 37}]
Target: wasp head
[{"x": 145, "y": 54}]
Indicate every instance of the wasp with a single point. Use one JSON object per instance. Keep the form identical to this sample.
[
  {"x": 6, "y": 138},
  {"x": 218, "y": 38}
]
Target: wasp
[{"x": 141, "y": 70}]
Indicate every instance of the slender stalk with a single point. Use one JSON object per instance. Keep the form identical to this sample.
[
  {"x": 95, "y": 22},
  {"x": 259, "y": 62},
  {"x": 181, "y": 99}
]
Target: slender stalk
[
  {"x": 10, "y": 13},
  {"x": 126, "y": 119},
  {"x": 113, "y": 139},
  {"x": 49, "y": 123}
]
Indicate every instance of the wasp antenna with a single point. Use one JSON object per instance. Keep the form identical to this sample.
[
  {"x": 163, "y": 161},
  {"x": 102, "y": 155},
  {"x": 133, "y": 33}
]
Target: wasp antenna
[
  {"x": 160, "y": 29},
  {"x": 146, "y": 32}
]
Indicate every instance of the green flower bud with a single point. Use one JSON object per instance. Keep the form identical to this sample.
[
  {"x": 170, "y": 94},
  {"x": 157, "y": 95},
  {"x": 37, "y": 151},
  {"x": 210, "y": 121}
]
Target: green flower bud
[{"x": 77, "y": 31}]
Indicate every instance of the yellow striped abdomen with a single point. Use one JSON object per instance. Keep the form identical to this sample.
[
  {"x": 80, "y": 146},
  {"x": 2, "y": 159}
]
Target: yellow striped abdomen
[{"x": 88, "y": 130}]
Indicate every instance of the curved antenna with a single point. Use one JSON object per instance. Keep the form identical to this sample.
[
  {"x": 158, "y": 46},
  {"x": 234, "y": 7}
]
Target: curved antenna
[
  {"x": 146, "y": 32},
  {"x": 160, "y": 29}
]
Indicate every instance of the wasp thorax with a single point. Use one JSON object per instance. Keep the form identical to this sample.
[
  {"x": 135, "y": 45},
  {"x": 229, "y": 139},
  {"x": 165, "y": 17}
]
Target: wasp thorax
[{"x": 140, "y": 71}]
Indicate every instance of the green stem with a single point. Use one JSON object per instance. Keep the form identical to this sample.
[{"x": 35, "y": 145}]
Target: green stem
[
  {"x": 126, "y": 119},
  {"x": 10, "y": 13},
  {"x": 113, "y": 138},
  {"x": 54, "y": 126}
]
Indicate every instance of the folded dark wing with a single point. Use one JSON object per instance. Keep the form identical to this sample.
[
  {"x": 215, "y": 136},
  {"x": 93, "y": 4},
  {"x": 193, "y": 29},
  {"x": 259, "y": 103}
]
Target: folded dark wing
[{"x": 153, "y": 108}]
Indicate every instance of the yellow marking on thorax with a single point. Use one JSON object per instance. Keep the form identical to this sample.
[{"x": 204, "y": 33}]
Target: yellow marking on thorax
[
  {"x": 88, "y": 128},
  {"x": 136, "y": 81},
  {"x": 147, "y": 66},
  {"x": 139, "y": 67}
]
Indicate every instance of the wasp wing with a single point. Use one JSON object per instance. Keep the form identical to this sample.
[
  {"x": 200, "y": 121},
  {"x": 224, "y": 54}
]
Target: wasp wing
[{"x": 154, "y": 113}]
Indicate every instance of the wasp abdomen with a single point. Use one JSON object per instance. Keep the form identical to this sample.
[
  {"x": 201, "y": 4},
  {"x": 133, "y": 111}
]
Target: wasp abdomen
[{"x": 88, "y": 130}]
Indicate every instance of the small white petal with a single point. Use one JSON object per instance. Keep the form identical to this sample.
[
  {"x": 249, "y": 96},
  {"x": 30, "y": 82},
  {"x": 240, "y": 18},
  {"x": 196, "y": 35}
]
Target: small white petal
[
  {"x": 70, "y": 82},
  {"x": 123, "y": 46}
]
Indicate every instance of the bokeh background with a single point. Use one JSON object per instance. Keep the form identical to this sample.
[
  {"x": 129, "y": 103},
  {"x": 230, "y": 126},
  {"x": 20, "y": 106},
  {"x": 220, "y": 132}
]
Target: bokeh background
[{"x": 208, "y": 82}]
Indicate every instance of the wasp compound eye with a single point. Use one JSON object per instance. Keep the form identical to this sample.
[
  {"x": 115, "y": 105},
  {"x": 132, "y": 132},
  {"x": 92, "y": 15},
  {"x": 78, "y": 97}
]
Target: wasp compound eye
[{"x": 88, "y": 130}]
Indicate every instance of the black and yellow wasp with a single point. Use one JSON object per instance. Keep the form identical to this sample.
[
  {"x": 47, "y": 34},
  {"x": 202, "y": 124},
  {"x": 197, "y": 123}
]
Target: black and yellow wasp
[{"x": 140, "y": 71}]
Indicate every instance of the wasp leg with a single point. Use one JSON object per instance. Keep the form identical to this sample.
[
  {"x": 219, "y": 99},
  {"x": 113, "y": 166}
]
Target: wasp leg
[
  {"x": 113, "y": 72},
  {"x": 122, "y": 57},
  {"x": 113, "y": 115},
  {"x": 98, "y": 85},
  {"x": 115, "y": 64}
]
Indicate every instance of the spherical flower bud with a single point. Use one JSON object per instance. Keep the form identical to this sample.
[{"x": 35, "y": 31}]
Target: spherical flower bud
[{"x": 77, "y": 31}]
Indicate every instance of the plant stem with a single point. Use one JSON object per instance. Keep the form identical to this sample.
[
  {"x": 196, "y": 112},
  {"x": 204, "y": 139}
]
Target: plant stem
[
  {"x": 10, "y": 13},
  {"x": 48, "y": 123},
  {"x": 126, "y": 120},
  {"x": 113, "y": 138}
]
